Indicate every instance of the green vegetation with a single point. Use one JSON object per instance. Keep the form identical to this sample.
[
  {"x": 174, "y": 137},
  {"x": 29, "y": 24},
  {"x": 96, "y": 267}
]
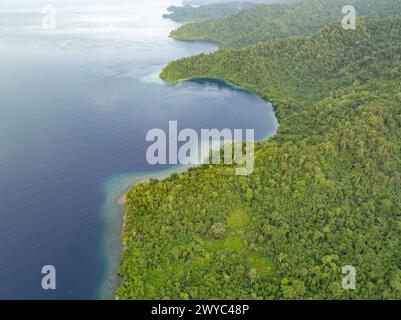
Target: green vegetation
[
  {"x": 276, "y": 21},
  {"x": 326, "y": 191},
  {"x": 188, "y": 13}
]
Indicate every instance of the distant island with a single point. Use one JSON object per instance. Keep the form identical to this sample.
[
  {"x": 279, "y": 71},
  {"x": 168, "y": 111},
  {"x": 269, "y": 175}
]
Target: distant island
[
  {"x": 216, "y": 10},
  {"x": 207, "y": 2}
]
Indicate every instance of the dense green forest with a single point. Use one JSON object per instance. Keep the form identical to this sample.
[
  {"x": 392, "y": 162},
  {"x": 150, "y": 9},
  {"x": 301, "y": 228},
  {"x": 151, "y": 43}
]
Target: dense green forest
[
  {"x": 275, "y": 21},
  {"x": 189, "y": 13},
  {"x": 326, "y": 191}
]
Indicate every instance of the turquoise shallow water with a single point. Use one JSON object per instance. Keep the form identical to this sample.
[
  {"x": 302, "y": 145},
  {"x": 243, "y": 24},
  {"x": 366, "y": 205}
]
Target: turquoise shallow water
[
  {"x": 76, "y": 105},
  {"x": 112, "y": 211}
]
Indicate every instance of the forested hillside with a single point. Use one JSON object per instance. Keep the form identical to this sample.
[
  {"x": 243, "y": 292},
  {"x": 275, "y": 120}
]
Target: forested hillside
[
  {"x": 326, "y": 191},
  {"x": 275, "y": 21},
  {"x": 189, "y": 13}
]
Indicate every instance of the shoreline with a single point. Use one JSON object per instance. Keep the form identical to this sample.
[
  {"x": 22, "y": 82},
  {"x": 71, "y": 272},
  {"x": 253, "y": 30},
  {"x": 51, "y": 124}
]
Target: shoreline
[
  {"x": 114, "y": 280},
  {"x": 114, "y": 210}
]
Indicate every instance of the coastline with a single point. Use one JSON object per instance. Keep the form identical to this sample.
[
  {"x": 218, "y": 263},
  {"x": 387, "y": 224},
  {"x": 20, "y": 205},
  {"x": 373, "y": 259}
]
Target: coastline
[
  {"x": 118, "y": 200},
  {"x": 113, "y": 212}
]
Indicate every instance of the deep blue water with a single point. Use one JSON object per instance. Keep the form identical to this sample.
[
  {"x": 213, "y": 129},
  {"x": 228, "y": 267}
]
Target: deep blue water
[{"x": 76, "y": 104}]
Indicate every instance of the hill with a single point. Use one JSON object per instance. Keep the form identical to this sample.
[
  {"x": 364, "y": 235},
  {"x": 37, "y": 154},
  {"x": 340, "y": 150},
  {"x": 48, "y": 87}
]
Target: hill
[
  {"x": 189, "y": 13},
  {"x": 275, "y": 21}
]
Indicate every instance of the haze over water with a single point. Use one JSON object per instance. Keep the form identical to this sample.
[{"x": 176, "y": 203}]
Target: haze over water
[{"x": 76, "y": 104}]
